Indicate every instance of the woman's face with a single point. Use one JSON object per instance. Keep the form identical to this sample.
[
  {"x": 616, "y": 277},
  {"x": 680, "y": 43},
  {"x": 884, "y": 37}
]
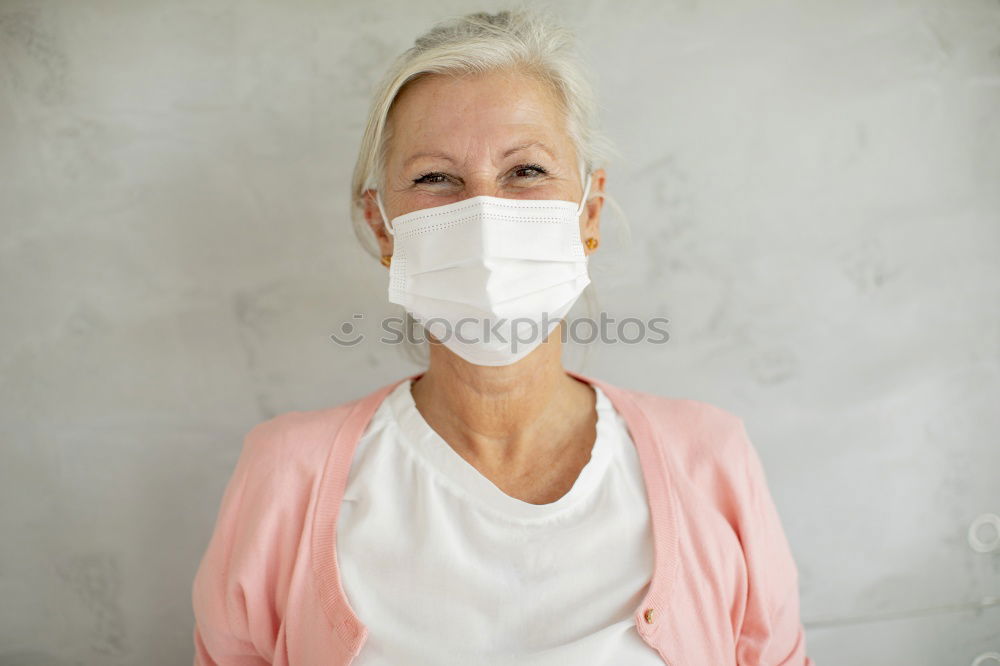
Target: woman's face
[{"x": 499, "y": 134}]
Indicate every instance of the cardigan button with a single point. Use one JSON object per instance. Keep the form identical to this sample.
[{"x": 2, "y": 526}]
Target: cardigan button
[{"x": 649, "y": 616}]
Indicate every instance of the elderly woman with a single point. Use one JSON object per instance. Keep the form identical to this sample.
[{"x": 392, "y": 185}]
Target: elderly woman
[{"x": 494, "y": 508}]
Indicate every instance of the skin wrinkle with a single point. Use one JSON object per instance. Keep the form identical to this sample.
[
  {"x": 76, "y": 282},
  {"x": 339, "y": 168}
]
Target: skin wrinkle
[{"x": 528, "y": 427}]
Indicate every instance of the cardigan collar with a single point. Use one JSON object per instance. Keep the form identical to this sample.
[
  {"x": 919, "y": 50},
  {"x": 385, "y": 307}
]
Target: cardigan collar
[{"x": 649, "y": 616}]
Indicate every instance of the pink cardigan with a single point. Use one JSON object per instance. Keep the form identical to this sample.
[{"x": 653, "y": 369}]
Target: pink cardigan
[{"x": 724, "y": 589}]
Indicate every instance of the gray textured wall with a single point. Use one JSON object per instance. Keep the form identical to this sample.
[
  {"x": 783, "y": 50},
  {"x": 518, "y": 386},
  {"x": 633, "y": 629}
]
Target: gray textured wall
[{"x": 814, "y": 194}]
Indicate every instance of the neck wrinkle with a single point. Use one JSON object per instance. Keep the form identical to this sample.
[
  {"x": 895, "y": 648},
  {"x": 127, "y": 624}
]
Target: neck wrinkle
[{"x": 496, "y": 413}]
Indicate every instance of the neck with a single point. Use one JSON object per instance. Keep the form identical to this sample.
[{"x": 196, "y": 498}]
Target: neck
[{"x": 496, "y": 413}]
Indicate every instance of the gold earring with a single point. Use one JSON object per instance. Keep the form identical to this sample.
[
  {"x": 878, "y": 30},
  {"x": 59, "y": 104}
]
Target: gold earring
[
  {"x": 386, "y": 259},
  {"x": 591, "y": 243}
]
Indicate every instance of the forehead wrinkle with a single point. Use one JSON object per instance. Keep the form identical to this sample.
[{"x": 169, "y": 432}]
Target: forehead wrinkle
[{"x": 435, "y": 120}]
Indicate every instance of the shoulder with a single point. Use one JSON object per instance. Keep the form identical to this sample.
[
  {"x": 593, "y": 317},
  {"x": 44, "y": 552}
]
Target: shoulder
[
  {"x": 692, "y": 419},
  {"x": 293, "y": 445},
  {"x": 689, "y": 415},
  {"x": 698, "y": 435}
]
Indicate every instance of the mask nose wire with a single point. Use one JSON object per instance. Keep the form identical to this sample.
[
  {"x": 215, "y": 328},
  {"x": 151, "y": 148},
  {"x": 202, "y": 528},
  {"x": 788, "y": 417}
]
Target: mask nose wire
[{"x": 385, "y": 218}]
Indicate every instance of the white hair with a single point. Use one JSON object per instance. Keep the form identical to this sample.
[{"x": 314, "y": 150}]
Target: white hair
[{"x": 523, "y": 40}]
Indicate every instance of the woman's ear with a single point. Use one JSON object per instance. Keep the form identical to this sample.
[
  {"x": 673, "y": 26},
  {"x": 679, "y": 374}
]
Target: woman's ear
[
  {"x": 374, "y": 218},
  {"x": 591, "y": 226}
]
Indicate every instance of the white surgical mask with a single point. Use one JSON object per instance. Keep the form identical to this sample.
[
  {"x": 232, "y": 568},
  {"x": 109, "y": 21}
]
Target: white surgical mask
[{"x": 489, "y": 277}]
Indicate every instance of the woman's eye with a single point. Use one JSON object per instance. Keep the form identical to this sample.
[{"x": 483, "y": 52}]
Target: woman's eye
[
  {"x": 430, "y": 178},
  {"x": 529, "y": 170},
  {"x": 523, "y": 171}
]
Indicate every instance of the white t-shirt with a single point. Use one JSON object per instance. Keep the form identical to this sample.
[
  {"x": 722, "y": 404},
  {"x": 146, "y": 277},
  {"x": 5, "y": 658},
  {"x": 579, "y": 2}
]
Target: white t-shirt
[{"x": 444, "y": 568}]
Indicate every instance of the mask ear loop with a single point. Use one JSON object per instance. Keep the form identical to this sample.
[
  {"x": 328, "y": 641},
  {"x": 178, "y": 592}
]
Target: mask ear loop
[
  {"x": 586, "y": 191},
  {"x": 385, "y": 218}
]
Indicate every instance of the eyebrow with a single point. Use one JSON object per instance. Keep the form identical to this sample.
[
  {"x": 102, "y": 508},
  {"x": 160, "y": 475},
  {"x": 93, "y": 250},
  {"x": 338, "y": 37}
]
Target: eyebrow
[
  {"x": 525, "y": 146},
  {"x": 416, "y": 157},
  {"x": 508, "y": 153}
]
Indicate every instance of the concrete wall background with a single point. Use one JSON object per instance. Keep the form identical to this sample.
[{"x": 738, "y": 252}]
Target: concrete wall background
[{"x": 814, "y": 195}]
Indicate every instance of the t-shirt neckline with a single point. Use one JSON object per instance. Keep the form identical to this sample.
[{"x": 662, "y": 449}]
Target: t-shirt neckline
[{"x": 461, "y": 477}]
